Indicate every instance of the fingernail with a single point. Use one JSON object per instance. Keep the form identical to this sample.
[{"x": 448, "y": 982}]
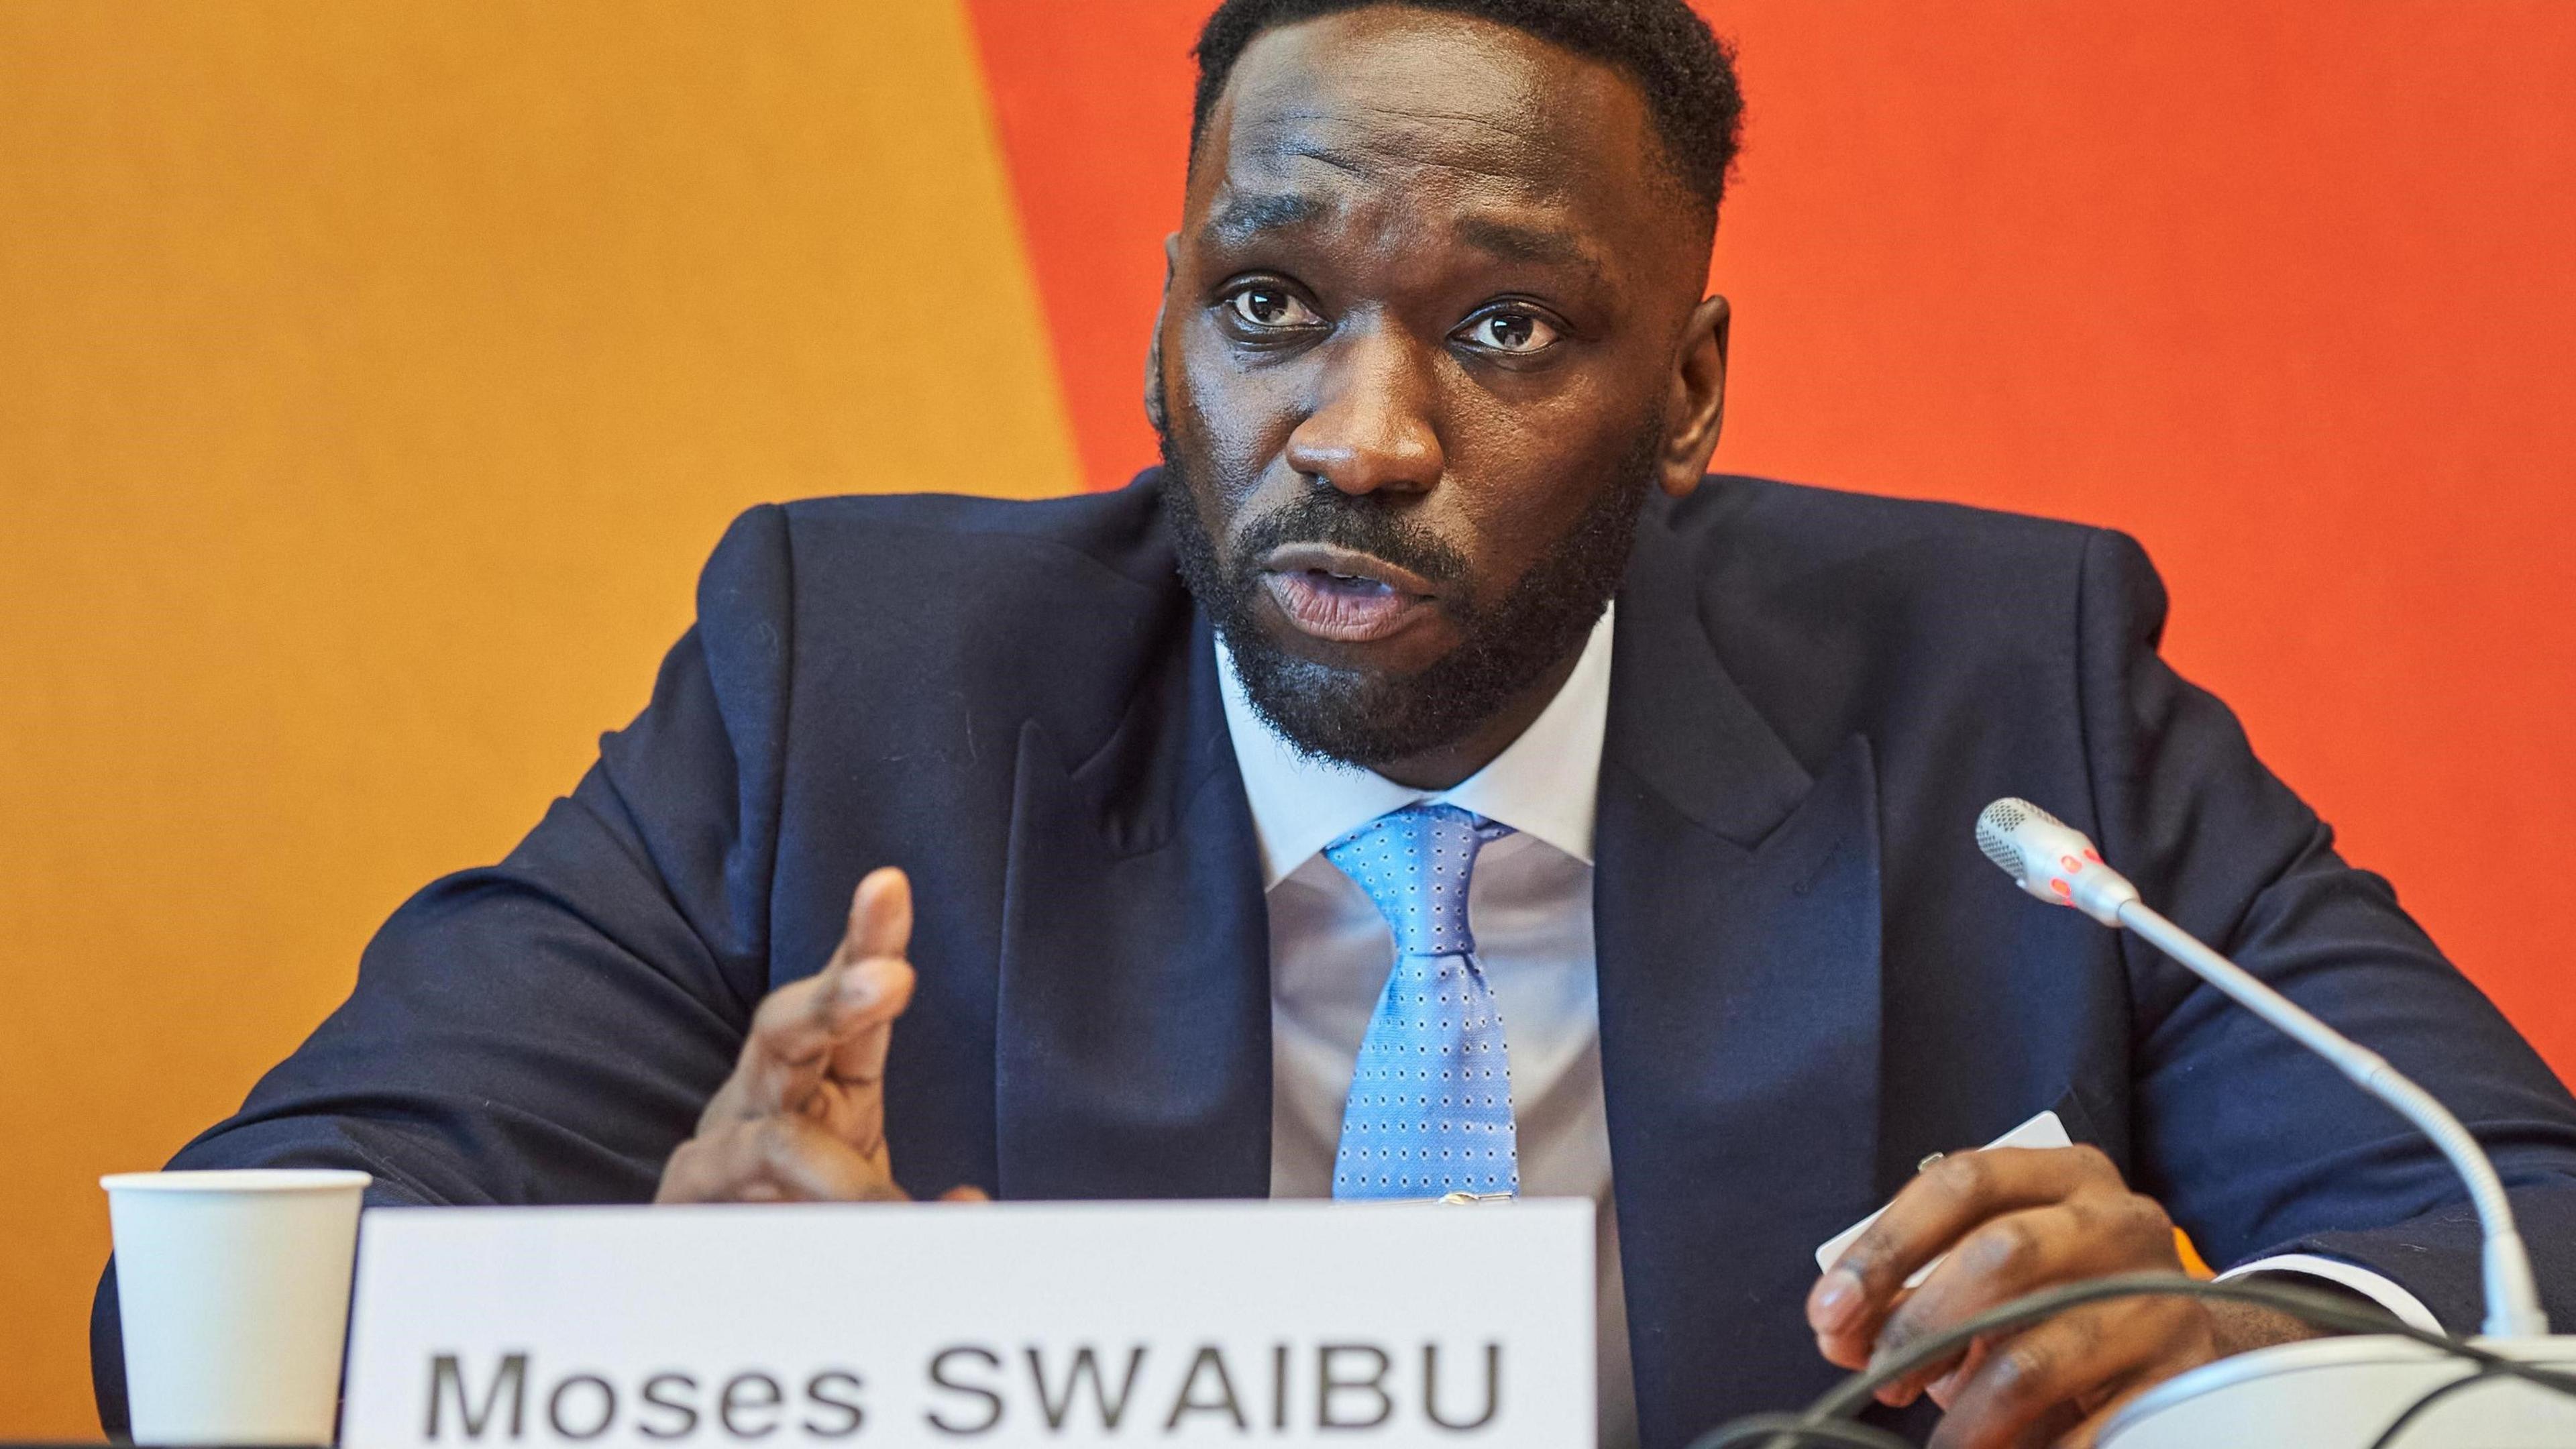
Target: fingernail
[{"x": 1837, "y": 1299}]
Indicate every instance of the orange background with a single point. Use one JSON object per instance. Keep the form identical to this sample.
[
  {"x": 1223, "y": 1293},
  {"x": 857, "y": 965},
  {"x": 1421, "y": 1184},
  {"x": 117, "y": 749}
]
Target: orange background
[{"x": 373, "y": 376}]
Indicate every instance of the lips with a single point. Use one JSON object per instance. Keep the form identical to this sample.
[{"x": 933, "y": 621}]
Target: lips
[{"x": 1342, "y": 595}]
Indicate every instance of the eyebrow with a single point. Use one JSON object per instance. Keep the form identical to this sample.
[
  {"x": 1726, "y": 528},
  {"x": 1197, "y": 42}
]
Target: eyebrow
[
  {"x": 1515, "y": 242},
  {"x": 1243, "y": 217}
]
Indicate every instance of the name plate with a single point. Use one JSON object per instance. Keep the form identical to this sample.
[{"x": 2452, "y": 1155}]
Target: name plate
[{"x": 1003, "y": 1324}]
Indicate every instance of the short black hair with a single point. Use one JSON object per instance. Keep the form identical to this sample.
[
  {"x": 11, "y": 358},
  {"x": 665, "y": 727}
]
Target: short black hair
[{"x": 1686, "y": 73}]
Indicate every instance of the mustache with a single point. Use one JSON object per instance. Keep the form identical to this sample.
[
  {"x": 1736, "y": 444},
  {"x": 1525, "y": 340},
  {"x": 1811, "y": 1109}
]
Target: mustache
[{"x": 1342, "y": 521}]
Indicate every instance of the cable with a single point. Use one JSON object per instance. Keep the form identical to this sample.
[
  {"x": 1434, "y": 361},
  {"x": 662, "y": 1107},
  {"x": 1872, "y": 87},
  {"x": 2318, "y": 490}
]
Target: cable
[
  {"x": 2388, "y": 1437},
  {"x": 1838, "y": 1405},
  {"x": 2317, "y": 1308},
  {"x": 1782, "y": 1431}
]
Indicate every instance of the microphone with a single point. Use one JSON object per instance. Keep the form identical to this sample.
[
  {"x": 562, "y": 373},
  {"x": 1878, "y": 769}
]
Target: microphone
[{"x": 2053, "y": 861}]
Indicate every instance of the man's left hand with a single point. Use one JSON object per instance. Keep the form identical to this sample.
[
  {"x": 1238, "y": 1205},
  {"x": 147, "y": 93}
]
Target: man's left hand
[{"x": 2013, "y": 1222}]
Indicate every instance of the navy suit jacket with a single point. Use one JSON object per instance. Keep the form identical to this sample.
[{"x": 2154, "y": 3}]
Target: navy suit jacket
[{"x": 1809, "y": 976}]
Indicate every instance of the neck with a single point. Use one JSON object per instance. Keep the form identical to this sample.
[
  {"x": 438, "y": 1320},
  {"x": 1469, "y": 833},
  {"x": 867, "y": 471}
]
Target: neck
[{"x": 1451, "y": 763}]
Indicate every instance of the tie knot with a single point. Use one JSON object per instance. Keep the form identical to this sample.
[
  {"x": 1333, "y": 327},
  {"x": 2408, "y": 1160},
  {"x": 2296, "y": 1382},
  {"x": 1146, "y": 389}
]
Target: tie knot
[{"x": 1415, "y": 864}]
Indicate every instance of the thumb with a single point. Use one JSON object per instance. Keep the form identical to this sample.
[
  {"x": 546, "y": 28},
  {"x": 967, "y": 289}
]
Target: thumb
[{"x": 880, "y": 917}]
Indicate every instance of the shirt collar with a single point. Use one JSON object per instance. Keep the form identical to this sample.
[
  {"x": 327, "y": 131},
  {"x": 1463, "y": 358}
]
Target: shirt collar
[{"x": 1545, "y": 784}]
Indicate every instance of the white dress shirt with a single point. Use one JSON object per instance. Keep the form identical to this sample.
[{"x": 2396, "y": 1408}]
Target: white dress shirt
[{"x": 1530, "y": 908}]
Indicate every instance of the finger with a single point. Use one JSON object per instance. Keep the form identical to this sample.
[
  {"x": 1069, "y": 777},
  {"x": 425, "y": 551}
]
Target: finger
[
  {"x": 1938, "y": 1207},
  {"x": 770, "y": 1160},
  {"x": 1852, "y": 1349},
  {"x": 880, "y": 917},
  {"x": 2088, "y": 1235},
  {"x": 1946, "y": 1387},
  {"x": 1934, "y": 1378},
  {"x": 798, "y": 1028},
  {"x": 965, "y": 1192},
  {"x": 859, "y": 1062},
  {"x": 773, "y": 1159},
  {"x": 859, "y": 1058},
  {"x": 2088, "y": 1431},
  {"x": 1935, "y": 1210},
  {"x": 802, "y": 1024},
  {"x": 879, "y": 933},
  {"x": 2191, "y": 1353},
  {"x": 2045, "y": 1376},
  {"x": 765, "y": 1069}
]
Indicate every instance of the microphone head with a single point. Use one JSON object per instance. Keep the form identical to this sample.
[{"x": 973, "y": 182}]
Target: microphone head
[
  {"x": 2051, "y": 859},
  {"x": 1995, "y": 826}
]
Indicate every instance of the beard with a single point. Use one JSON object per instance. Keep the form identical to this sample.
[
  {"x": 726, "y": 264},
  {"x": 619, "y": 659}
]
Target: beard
[{"x": 1372, "y": 720}]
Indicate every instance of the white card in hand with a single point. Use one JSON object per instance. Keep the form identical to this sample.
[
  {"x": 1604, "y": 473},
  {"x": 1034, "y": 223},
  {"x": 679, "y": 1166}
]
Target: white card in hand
[{"x": 2043, "y": 1130}]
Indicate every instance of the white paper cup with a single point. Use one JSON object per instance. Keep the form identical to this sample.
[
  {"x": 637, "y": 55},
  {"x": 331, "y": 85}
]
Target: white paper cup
[{"x": 234, "y": 1291}]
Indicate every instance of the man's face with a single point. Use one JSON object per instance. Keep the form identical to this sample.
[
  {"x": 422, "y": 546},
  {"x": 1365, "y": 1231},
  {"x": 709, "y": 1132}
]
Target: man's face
[{"x": 1430, "y": 334}]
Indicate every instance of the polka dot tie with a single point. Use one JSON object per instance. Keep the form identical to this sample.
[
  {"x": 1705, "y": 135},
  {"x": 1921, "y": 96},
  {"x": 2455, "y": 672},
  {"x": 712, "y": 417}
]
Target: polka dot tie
[{"x": 1430, "y": 1110}]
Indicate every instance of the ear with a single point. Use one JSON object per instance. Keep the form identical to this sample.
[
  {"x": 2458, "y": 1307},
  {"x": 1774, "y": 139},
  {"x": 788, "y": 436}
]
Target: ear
[
  {"x": 1697, "y": 405},
  {"x": 1154, "y": 412}
]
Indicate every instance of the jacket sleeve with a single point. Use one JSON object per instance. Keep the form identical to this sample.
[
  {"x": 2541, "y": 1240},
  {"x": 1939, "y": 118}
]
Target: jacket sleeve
[
  {"x": 2256, "y": 1146},
  {"x": 547, "y": 1029}
]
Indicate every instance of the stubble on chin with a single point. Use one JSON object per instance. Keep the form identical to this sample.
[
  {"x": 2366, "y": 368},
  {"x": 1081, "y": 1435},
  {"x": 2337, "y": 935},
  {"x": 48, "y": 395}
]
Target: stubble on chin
[{"x": 1369, "y": 719}]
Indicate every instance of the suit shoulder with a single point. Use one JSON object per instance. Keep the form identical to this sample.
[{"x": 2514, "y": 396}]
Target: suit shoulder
[
  {"x": 1843, "y": 611},
  {"x": 1799, "y": 526},
  {"x": 1053, "y": 606},
  {"x": 1118, "y": 533}
]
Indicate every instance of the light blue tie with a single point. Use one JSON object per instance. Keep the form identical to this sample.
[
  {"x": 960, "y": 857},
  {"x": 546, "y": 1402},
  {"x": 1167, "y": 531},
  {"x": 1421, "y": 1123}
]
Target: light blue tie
[{"x": 1430, "y": 1110}]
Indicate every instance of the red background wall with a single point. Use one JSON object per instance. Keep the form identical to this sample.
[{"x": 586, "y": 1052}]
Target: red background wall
[{"x": 2282, "y": 289}]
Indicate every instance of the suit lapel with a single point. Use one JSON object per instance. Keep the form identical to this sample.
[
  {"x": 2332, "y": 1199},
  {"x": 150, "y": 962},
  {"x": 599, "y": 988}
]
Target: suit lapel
[
  {"x": 1737, "y": 918},
  {"x": 1133, "y": 1031}
]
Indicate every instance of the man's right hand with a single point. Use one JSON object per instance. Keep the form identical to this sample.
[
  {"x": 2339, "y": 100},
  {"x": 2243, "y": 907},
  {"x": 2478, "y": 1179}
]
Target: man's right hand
[{"x": 802, "y": 1119}]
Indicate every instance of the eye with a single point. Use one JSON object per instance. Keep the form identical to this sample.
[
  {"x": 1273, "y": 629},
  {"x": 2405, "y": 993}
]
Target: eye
[
  {"x": 1514, "y": 330},
  {"x": 1269, "y": 305}
]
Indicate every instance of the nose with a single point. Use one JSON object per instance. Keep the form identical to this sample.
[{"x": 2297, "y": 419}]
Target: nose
[{"x": 1371, "y": 426}]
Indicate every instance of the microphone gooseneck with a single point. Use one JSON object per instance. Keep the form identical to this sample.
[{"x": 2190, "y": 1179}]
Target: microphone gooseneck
[{"x": 2056, "y": 863}]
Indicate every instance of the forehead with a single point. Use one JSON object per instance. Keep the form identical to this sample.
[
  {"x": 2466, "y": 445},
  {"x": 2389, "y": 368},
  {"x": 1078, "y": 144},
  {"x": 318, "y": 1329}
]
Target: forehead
[{"x": 1442, "y": 108}]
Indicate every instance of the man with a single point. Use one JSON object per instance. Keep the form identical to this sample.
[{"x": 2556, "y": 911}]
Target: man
[{"x": 1140, "y": 794}]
